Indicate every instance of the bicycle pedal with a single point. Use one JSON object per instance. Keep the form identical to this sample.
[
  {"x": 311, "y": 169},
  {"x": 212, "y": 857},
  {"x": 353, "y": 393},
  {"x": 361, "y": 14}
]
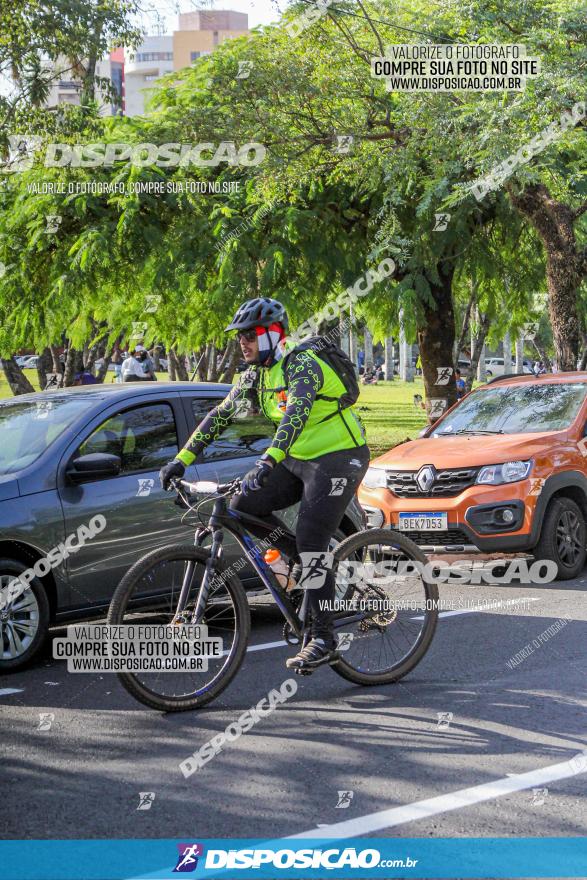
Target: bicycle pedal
[{"x": 303, "y": 671}]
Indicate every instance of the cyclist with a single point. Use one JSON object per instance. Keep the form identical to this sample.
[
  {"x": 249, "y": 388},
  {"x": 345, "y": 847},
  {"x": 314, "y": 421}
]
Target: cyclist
[{"x": 318, "y": 455}]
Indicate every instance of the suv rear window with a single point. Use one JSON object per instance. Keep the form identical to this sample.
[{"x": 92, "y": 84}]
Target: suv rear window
[{"x": 516, "y": 409}]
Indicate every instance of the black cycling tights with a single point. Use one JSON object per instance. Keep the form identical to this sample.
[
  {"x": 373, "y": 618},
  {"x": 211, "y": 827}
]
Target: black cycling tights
[{"x": 324, "y": 486}]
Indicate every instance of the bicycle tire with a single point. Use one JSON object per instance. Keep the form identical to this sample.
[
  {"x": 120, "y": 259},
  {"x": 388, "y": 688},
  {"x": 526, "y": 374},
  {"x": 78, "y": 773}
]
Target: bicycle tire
[
  {"x": 353, "y": 544},
  {"x": 171, "y": 553}
]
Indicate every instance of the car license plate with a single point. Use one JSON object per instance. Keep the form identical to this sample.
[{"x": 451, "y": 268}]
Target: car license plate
[{"x": 423, "y": 522}]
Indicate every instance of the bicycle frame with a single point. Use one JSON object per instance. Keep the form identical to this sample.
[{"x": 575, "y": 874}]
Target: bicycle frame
[{"x": 221, "y": 518}]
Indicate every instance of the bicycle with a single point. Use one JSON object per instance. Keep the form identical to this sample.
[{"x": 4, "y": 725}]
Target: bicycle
[{"x": 183, "y": 584}]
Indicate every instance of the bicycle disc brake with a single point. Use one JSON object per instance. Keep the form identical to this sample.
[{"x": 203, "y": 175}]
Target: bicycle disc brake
[{"x": 379, "y": 620}]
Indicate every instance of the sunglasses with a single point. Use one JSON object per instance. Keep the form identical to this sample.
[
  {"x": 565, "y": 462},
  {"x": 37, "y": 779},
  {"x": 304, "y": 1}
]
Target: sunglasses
[{"x": 248, "y": 335}]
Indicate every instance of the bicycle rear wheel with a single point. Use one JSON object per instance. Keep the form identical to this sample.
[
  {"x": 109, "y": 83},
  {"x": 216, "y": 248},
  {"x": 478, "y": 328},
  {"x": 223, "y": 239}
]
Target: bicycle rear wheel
[
  {"x": 149, "y": 593},
  {"x": 380, "y": 571}
]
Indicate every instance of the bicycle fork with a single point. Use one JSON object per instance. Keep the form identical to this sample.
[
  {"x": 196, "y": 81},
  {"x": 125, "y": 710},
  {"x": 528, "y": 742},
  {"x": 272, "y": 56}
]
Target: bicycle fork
[{"x": 209, "y": 573}]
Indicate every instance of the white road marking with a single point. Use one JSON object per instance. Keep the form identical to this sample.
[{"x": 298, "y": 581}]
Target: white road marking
[
  {"x": 444, "y": 803},
  {"x": 487, "y": 607},
  {"x": 265, "y": 646},
  {"x": 4, "y": 692}
]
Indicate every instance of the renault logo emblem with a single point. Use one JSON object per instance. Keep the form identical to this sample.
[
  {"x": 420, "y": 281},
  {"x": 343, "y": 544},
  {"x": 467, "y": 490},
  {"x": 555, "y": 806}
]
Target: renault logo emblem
[{"x": 425, "y": 477}]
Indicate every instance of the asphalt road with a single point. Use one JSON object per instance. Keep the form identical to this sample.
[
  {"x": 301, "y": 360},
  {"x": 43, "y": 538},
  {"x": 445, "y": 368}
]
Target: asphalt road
[{"x": 514, "y": 727}]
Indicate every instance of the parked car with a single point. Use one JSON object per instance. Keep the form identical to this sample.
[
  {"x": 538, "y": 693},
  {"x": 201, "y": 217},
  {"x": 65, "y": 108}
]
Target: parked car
[
  {"x": 51, "y": 483},
  {"x": 504, "y": 470},
  {"x": 27, "y": 362},
  {"x": 495, "y": 366}
]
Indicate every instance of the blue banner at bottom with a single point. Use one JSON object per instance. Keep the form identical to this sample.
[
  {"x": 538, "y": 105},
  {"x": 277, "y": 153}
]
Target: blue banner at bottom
[{"x": 253, "y": 859}]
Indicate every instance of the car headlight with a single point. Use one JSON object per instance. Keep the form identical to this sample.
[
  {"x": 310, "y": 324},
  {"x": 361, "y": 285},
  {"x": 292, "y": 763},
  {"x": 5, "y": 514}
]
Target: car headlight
[
  {"x": 375, "y": 478},
  {"x": 495, "y": 474}
]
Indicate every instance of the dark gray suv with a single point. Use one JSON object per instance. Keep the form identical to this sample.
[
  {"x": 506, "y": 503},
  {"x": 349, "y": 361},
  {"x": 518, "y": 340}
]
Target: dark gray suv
[{"x": 53, "y": 481}]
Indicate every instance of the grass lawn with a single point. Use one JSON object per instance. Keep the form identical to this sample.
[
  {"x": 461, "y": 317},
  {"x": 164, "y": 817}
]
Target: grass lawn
[
  {"x": 387, "y": 409},
  {"x": 389, "y": 414}
]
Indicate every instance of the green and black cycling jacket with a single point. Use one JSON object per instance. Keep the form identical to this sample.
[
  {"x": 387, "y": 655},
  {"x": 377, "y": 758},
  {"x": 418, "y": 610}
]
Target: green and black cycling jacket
[{"x": 307, "y": 425}]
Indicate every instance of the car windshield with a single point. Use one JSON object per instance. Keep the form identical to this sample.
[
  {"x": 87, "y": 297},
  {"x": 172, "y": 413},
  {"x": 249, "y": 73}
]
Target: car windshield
[
  {"x": 516, "y": 409},
  {"x": 28, "y": 427}
]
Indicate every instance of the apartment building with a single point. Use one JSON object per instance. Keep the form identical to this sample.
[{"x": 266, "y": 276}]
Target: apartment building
[{"x": 134, "y": 72}]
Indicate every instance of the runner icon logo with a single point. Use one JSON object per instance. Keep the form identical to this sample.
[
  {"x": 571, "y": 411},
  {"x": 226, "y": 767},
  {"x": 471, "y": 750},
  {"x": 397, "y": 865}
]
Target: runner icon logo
[
  {"x": 315, "y": 567},
  {"x": 338, "y": 485},
  {"x": 444, "y": 719},
  {"x": 187, "y": 860},
  {"x": 539, "y": 795},
  {"x": 344, "y": 800},
  {"x": 46, "y": 719},
  {"x": 145, "y": 487},
  {"x": 146, "y": 799},
  {"x": 443, "y": 375},
  {"x": 344, "y": 641}
]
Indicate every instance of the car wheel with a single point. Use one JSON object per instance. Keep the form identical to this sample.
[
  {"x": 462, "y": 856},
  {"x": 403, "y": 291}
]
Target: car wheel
[
  {"x": 489, "y": 373},
  {"x": 24, "y": 621},
  {"x": 563, "y": 538}
]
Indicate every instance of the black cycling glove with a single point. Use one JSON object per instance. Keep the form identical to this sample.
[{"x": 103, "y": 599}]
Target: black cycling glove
[
  {"x": 258, "y": 476},
  {"x": 172, "y": 469}
]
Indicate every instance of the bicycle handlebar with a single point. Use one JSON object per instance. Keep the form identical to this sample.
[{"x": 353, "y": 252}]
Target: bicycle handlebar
[{"x": 205, "y": 487}]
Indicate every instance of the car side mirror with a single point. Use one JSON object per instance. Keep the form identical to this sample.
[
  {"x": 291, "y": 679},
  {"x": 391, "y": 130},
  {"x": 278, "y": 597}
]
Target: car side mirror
[{"x": 93, "y": 466}]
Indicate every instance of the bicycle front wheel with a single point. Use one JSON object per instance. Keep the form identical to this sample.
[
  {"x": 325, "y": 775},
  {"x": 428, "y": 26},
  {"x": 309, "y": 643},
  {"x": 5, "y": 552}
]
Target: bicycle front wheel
[
  {"x": 381, "y": 575},
  {"x": 149, "y": 594}
]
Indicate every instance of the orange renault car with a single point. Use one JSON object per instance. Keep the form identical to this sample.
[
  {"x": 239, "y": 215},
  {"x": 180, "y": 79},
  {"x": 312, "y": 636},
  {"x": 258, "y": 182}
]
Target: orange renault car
[{"x": 504, "y": 470}]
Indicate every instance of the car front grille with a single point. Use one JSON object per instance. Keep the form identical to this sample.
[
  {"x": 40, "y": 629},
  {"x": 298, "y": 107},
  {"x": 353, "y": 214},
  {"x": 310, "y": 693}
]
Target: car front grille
[
  {"x": 447, "y": 483},
  {"x": 438, "y": 538}
]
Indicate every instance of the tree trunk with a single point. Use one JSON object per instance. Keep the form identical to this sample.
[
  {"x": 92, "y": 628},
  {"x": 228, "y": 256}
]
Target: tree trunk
[
  {"x": 566, "y": 266},
  {"x": 44, "y": 365},
  {"x": 73, "y": 365},
  {"x": 406, "y": 372},
  {"x": 368, "y": 348},
  {"x": 583, "y": 361},
  {"x": 226, "y": 375},
  {"x": 212, "y": 372},
  {"x": 477, "y": 343},
  {"x": 19, "y": 384},
  {"x": 92, "y": 354},
  {"x": 171, "y": 367},
  {"x": 507, "y": 354},
  {"x": 103, "y": 370},
  {"x": 436, "y": 338},
  {"x": 389, "y": 364},
  {"x": 520, "y": 353},
  {"x": 179, "y": 366},
  {"x": 201, "y": 364},
  {"x": 542, "y": 355},
  {"x": 352, "y": 337},
  {"x": 157, "y": 359},
  {"x": 344, "y": 334},
  {"x": 458, "y": 346},
  {"x": 56, "y": 361},
  {"x": 227, "y": 356}
]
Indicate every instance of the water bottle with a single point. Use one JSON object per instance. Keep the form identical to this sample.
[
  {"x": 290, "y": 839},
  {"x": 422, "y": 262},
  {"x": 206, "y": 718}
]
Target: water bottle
[{"x": 280, "y": 568}]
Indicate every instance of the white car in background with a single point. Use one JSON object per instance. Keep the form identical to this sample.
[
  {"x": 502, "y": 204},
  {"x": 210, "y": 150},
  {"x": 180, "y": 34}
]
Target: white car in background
[
  {"x": 494, "y": 366},
  {"x": 29, "y": 362}
]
